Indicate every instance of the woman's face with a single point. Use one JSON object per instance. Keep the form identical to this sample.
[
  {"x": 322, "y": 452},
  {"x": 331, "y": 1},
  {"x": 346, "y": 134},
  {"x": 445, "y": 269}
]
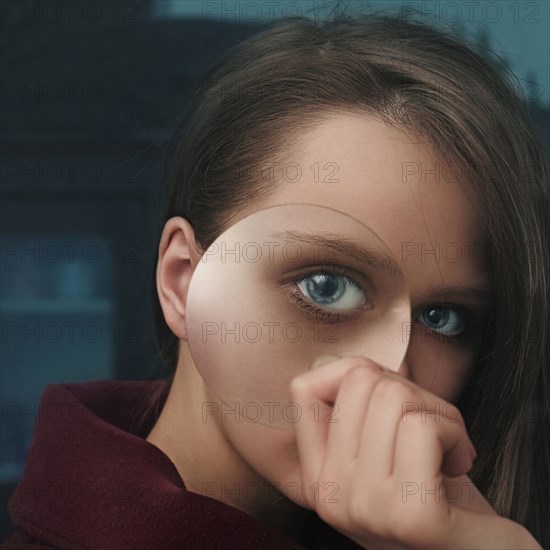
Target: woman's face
[
  {"x": 281, "y": 287},
  {"x": 393, "y": 183}
]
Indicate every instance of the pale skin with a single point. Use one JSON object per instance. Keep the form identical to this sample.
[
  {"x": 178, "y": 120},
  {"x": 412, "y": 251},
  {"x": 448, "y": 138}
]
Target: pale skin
[{"x": 371, "y": 454}]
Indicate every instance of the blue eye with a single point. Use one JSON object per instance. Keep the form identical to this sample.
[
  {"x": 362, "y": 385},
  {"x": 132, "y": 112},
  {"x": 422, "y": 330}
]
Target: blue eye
[
  {"x": 332, "y": 290},
  {"x": 443, "y": 320}
]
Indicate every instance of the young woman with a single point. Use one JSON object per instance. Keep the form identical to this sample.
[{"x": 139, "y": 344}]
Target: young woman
[{"x": 435, "y": 153}]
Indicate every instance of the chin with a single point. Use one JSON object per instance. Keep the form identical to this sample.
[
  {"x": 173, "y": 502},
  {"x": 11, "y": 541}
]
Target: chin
[{"x": 273, "y": 454}]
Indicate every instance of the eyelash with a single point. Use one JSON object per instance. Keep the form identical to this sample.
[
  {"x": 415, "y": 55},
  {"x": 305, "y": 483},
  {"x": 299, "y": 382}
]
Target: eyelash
[{"x": 321, "y": 314}]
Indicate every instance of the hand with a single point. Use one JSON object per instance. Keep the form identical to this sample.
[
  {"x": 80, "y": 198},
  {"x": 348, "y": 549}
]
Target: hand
[{"x": 400, "y": 472}]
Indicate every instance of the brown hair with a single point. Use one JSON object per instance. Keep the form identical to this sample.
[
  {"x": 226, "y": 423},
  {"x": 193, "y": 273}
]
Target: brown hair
[{"x": 285, "y": 79}]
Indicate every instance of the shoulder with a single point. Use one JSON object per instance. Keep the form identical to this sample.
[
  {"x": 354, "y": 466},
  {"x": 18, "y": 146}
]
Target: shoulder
[{"x": 20, "y": 539}]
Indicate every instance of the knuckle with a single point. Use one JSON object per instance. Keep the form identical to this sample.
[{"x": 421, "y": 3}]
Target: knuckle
[
  {"x": 453, "y": 414},
  {"x": 299, "y": 385},
  {"x": 360, "y": 361},
  {"x": 384, "y": 388},
  {"x": 357, "y": 375},
  {"x": 405, "y": 394},
  {"x": 424, "y": 432},
  {"x": 398, "y": 392},
  {"x": 421, "y": 427}
]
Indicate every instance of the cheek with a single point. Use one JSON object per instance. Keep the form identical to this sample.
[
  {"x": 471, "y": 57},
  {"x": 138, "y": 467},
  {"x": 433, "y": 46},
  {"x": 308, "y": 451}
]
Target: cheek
[
  {"x": 247, "y": 348},
  {"x": 439, "y": 367},
  {"x": 273, "y": 455}
]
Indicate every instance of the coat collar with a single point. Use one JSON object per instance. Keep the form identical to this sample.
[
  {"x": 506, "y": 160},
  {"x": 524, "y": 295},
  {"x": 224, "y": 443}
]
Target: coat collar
[{"x": 93, "y": 481}]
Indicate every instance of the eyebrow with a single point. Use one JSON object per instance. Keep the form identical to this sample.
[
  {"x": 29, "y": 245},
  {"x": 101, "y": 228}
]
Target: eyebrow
[
  {"x": 343, "y": 246},
  {"x": 475, "y": 293},
  {"x": 479, "y": 293}
]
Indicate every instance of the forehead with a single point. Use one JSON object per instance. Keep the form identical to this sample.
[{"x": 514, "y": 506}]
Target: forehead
[{"x": 394, "y": 183}]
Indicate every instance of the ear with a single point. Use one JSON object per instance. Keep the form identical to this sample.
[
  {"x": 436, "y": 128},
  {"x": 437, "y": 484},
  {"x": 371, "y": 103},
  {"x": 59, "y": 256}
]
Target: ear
[{"x": 178, "y": 257}]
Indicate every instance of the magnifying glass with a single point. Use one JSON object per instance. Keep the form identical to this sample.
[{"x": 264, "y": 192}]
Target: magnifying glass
[{"x": 281, "y": 287}]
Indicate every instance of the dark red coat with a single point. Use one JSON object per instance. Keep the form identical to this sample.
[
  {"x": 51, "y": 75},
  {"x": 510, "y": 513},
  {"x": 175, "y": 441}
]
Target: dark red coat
[{"x": 92, "y": 481}]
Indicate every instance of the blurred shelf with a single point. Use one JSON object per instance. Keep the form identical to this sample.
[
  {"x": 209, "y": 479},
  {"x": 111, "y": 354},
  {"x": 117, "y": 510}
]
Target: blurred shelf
[{"x": 53, "y": 306}]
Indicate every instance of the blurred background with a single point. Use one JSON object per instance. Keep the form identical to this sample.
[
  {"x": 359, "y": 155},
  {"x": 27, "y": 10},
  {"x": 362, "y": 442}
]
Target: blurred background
[{"x": 90, "y": 94}]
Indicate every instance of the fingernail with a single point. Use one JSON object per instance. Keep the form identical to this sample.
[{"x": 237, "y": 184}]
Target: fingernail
[{"x": 323, "y": 360}]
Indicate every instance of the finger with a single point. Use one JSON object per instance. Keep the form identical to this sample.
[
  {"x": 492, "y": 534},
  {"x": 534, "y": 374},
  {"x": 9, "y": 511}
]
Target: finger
[
  {"x": 428, "y": 447},
  {"x": 324, "y": 381},
  {"x": 379, "y": 435},
  {"x": 449, "y": 420},
  {"x": 351, "y": 405},
  {"x": 314, "y": 389}
]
